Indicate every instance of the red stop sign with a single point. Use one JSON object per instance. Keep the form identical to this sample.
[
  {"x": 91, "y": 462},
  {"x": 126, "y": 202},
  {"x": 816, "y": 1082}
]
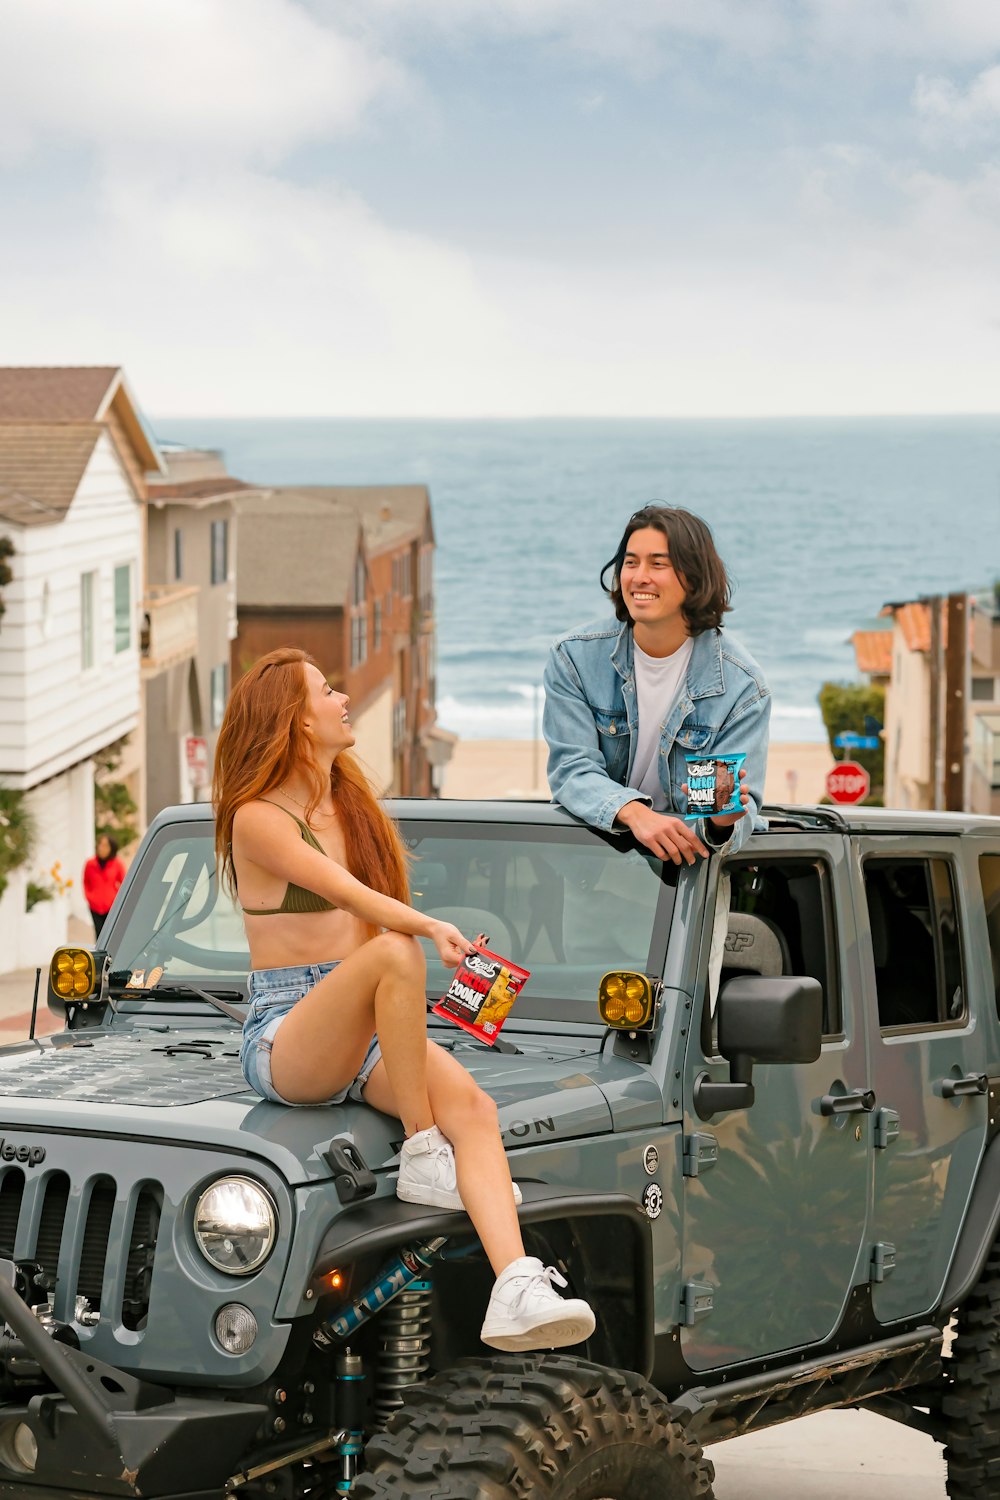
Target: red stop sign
[{"x": 848, "y": 782}]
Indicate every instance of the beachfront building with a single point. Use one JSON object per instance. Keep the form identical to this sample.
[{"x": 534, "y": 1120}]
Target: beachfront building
[
  {"x": 73, "y": 456},
  {"x": 188, "y": 620},
  {"x": 347, "y": 574},
  {"x": 904, "y": 653},
  {"x": 984, "y": 702}
]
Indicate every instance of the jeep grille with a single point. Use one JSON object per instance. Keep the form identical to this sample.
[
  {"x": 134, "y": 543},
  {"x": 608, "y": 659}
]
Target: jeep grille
[{"x": 96, "y": 1243}]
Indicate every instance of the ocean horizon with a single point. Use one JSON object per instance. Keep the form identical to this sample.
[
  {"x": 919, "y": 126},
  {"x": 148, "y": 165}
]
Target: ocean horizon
[{"x": 821, "y": 521}]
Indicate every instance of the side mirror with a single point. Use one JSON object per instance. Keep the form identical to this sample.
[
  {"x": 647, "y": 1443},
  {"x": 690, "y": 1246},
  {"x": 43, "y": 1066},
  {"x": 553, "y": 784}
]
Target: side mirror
[{"x": 761, "y": 1020}]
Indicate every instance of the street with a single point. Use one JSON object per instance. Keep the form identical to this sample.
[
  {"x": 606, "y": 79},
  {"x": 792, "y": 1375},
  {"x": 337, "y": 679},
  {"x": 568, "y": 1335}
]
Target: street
[{"x": 829, "y": 1456}]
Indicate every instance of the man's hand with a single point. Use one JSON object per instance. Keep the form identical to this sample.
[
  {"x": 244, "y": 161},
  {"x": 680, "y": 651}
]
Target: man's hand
[
  {"x": 664, "y": 834},
  {"x": 726, "y": 820}
]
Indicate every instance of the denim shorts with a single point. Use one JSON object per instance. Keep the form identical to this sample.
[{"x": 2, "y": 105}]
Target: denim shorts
[{"x": 272, "y": 994}]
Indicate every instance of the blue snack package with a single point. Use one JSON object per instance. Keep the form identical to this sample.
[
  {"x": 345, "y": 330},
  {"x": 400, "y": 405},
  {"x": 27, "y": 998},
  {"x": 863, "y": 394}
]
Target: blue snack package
[{"x": 713, "y": 785}]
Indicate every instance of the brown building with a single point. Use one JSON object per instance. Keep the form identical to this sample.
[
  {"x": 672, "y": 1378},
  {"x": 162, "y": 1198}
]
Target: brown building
[{"x": 347, "y": 574}]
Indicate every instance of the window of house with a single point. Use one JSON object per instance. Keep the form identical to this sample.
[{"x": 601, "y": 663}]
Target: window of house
[
  {"x": 359, "y": 640},
  {"x": 219, "y": 691},
  {"x": 377, "y": 625},
  {"x": 989, "y": 874},
  {"x": 916, "y": 945},
  {"x": 398, "y": 723},
  {"x": 220, "y": 551},
  {"x": 88, "y": 620},
  {"x": 123, "y": 608},
  {"x": 360, "y": 580},
  {"x": 781, "y": 923},
  {"x": 178, "y": 554},
  {"x": 986, "y": 746}
]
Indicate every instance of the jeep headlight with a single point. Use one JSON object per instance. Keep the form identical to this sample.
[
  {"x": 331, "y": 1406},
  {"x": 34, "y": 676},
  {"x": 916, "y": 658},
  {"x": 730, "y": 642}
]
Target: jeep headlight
[{"x": 235, "y": 1225}]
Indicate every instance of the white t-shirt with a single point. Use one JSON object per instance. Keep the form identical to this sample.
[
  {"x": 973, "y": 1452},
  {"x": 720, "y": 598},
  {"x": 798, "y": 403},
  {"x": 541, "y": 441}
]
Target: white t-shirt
[{"x": 659, "y": 681}]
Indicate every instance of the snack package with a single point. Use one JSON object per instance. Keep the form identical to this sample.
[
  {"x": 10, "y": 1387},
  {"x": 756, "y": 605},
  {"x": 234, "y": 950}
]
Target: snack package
[
  {"x": 713, "y": 785},
  {"x": 481, "y": 993}
]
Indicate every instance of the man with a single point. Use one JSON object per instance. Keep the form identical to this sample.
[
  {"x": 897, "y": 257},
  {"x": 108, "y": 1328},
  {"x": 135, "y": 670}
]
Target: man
[{"x": 626, "y": 701}]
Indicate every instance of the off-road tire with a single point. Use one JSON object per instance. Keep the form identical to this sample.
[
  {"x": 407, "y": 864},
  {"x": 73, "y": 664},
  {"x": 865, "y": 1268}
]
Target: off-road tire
[
  {"x": 531, "y": 1428},
  {"x": 971, "y": 1405}
]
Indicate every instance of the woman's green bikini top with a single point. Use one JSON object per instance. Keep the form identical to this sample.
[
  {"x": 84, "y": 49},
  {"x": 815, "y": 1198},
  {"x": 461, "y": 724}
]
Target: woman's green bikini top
[{"x": 297, "y": 899}]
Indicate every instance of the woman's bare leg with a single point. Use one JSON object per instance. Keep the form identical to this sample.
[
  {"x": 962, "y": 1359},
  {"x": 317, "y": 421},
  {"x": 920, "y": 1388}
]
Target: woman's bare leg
[
  {"x": 321, "y": 1043},
  {"x": 468, "y": 1117}
]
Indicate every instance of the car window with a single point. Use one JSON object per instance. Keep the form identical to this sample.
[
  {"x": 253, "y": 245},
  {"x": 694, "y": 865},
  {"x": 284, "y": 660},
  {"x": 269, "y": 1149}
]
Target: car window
[
  {"x": 567, "y": 904},
  {"x": 916, "y": 949},
  {"x": 989, "y": 874},
  {"x": 177, "y": 918},
  {"x": 781, "y": 922}
]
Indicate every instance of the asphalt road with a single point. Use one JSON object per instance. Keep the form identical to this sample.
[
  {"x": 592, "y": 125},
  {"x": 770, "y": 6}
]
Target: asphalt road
[{"x": 828, "y": 1457}]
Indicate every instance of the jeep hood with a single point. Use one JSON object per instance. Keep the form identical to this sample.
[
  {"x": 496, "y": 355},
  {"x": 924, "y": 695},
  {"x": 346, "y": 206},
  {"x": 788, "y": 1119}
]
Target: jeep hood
[{"x": 187, "y": 1088}]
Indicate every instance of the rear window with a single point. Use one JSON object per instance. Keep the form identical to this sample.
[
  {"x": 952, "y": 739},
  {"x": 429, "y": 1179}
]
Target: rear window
[{"x": 567, "y": 903}]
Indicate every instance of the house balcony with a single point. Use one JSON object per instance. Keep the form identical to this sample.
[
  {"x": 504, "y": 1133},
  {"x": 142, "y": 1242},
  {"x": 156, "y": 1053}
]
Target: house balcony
[{"x": 169, "y": 626}]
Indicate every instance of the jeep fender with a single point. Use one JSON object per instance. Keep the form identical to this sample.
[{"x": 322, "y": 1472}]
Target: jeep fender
[{"x": 612, "y": 1223}]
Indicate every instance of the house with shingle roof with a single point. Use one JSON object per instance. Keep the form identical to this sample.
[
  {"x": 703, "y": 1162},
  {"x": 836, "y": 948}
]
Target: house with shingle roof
[
  {"x": 346, "y": 572},
  {"x": 905, "y": 651},
  {"x": 73, "y": 455},
  {"x": 189, "y": 619}
]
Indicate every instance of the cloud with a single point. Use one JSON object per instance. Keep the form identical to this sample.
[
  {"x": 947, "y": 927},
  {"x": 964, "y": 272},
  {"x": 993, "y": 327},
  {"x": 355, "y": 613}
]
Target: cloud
[
  {"x": 181, "y": 78},
  {"x": 963, "y": 115},
  {"x": 643, "y": 34}
]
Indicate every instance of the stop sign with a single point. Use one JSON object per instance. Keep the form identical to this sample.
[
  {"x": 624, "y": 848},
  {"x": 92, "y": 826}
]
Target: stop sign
[{"x": 847, "y": 782}]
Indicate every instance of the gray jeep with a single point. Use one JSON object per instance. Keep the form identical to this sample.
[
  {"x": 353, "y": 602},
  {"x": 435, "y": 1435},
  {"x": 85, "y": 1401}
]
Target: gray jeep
[{"x": 752, "y": 1106}]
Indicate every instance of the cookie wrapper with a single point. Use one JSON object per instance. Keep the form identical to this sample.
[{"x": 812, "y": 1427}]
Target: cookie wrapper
[
  {"x": 713, "y": 785},
  {"x": 481, "y": 994}
]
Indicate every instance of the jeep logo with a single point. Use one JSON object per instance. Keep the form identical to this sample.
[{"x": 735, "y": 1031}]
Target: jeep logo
[{"x": 33, "y": 1155}]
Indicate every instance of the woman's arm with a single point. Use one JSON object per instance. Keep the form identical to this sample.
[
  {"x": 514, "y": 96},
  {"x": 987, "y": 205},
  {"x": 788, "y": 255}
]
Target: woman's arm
[{"x": 267, "y": 837}]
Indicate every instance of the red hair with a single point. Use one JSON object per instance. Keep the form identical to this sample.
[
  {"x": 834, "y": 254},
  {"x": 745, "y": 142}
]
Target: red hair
[{"x": 263, "y": 739}]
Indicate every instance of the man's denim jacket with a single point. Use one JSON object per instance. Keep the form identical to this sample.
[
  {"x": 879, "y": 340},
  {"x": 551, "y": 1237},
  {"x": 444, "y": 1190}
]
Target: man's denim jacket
[{"x": 591, "y": 718}]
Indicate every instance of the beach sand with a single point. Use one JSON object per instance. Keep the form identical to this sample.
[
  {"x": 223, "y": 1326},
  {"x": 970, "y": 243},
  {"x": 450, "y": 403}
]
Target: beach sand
[{"x": 516, "y": 768}]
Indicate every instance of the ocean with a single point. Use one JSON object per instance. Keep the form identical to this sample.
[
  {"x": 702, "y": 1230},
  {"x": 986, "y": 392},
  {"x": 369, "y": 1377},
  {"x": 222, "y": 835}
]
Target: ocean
[{"x": 820, "y": 521}]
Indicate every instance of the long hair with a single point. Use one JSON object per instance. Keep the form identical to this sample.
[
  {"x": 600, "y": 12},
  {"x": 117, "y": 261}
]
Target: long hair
[
  {"x": 707, "y": 589},
  {"x": 263, "y": 739}
]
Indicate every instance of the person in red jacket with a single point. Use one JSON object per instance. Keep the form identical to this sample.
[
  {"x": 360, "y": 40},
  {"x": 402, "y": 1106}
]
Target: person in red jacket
[{"x": 102, "y": 875}]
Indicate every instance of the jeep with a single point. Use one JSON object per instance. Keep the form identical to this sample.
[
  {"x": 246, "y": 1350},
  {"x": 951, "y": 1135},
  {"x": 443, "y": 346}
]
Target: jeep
[{"x": 752, "y": 1106}]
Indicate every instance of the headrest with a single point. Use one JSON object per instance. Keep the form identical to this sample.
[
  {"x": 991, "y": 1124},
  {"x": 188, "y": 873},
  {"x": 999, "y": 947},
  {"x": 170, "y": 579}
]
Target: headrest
[{"x": 756, "y": 946}]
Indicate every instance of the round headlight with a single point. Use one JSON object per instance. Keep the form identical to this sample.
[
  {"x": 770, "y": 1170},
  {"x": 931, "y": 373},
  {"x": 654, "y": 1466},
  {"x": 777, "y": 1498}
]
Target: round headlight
[{"x": 235, "y": 1225}]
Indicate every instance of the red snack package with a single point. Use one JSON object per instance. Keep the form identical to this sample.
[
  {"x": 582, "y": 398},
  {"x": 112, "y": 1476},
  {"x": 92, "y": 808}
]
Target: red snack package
[{"x": 481, "y": 994}]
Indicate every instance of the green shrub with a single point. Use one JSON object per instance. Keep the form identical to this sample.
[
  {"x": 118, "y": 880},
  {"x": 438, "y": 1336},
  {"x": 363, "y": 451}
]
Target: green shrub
[
  {"x": 844, "y": 706},
  {"x": 17, "y": 833}
]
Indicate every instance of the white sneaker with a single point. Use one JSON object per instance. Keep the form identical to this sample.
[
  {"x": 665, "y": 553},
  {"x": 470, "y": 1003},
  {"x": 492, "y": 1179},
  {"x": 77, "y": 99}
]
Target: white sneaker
[
  {"x": 526, "y": 1312},
  {"x": 427, "y": 1172}
]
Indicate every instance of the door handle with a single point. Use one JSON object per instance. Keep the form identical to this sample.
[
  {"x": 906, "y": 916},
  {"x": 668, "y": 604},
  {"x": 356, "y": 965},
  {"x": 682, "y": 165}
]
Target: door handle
[
  {"x": 972, "y": 1083},
  {"x": 857, "y": 1101}
]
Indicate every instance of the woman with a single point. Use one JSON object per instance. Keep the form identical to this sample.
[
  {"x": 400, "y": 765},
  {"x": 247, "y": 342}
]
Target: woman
[
  {"x": 337, "y": 985},
  {"x": 102, "y": 875}
]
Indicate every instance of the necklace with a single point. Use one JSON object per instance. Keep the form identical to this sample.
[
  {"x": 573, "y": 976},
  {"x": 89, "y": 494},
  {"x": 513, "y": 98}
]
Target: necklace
[{"x": 303, "y": 805}]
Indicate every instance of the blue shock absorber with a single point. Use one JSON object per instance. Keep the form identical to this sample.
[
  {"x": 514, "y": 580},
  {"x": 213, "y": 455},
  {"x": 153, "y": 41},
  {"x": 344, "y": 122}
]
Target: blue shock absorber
[
  {"x": 406, "y": 1267},
  {"x": 350, "y": 1376}
]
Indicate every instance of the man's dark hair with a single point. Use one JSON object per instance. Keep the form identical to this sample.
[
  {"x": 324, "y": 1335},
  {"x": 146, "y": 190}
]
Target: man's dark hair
[{"x": 707, "y": 588}]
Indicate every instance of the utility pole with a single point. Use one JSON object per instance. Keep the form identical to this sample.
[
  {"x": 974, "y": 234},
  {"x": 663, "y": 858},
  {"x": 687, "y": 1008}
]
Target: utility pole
[
  {"x": 934, "y": 769},
  {"x": 956, "y": 653}
]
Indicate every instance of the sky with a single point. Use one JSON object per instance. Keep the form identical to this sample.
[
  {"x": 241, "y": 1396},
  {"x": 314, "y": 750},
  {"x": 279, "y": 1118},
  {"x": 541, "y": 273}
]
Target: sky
[{"x": 457, "y": 208}]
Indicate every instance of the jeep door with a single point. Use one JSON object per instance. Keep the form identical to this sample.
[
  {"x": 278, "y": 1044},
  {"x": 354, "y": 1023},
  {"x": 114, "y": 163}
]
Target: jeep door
[
  {"x": 929, "y": 1056},
  {"x": 776, "y": 1196}
]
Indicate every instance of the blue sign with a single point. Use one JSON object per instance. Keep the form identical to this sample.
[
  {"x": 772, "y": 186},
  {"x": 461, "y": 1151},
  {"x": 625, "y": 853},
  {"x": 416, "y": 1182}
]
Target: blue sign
[{"x": 851, "y": 741}]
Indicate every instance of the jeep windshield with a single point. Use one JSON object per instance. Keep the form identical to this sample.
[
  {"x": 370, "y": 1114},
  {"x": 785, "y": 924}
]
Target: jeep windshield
[{"x": 565, "y": 902}]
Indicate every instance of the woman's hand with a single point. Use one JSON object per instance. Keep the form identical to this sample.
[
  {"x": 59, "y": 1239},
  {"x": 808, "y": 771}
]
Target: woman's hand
[{"x": 450, "y": 944}]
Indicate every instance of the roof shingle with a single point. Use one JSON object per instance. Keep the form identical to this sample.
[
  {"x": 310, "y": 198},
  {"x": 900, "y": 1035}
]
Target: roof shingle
[
  {"x": 41, "y": 465},
  {"x": 54, "y": 393}
]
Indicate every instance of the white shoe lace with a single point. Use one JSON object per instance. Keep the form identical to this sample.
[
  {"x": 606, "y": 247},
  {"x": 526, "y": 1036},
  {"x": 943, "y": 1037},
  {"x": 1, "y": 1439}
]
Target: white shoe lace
[{"x": 549, "y": 1278}]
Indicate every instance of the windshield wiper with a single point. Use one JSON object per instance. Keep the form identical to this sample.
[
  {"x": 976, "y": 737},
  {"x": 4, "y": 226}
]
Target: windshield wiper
[{"x": 143, "y": 992}]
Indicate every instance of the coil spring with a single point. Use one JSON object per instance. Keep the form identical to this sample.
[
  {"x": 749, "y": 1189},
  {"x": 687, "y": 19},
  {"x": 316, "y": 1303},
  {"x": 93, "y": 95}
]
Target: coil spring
[{"x": 404, "y": 1350}]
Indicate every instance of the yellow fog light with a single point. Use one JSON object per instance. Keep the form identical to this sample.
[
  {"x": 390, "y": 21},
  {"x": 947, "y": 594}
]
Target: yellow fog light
[
  {"x": 625, "y": 999},
  {"x": 72, "y": 973}
]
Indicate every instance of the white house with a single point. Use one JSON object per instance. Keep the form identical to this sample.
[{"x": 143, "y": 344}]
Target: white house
[{"x": 71, "y": 504}]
